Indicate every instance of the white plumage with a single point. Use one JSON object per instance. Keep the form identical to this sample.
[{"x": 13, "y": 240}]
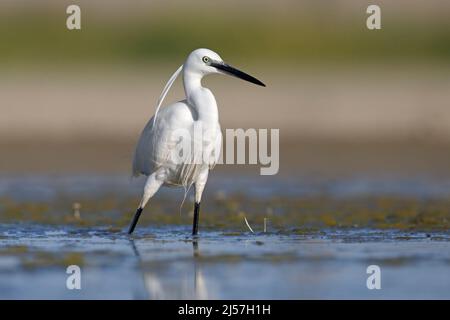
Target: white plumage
[
  {"x": 182, "y": 141},
  {"x": 159, "y": 141}
]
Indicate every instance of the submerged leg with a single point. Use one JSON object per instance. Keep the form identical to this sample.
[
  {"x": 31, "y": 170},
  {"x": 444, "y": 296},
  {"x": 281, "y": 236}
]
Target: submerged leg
[
  {"x": 199, "y": 187},
  {"x": 154, "y": 182}
]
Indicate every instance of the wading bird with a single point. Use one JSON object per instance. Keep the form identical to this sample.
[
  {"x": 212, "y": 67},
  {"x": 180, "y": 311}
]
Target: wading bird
[{"x": 182, "y": 142}]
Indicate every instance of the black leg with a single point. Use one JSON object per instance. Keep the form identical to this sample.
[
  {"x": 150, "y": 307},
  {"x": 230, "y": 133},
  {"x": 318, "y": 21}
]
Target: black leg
[
  {"x": 196, "y": 216},
  {"x": 135, "y": 220}
]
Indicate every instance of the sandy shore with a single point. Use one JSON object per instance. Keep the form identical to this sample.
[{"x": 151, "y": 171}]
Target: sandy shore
[
  {"x": 331, "y": 121},
  {"x": 339, "y": 104},
  {"x": 313, "y": 157}
]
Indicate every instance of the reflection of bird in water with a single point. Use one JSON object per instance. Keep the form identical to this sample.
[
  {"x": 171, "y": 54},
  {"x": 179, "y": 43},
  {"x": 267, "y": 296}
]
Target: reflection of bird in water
[
  {"x": 200, "y": 289},
  {"x": 183, "y": 286}
]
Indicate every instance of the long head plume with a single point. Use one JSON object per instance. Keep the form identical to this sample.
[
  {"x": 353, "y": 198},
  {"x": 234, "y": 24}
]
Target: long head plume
[{"x": 165, "y": 91}]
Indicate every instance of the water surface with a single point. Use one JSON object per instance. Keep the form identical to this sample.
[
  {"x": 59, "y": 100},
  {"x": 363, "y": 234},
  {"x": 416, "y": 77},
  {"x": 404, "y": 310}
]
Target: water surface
[{"x": 320, "y": 237}]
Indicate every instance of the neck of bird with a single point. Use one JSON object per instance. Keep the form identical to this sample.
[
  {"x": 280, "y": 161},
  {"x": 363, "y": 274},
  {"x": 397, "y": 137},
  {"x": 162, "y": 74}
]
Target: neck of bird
[{"x": 200, "y": 98}]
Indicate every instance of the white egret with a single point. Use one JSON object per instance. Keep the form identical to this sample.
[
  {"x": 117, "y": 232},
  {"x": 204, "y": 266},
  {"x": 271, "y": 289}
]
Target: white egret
[{"x": 188, "y": 130}]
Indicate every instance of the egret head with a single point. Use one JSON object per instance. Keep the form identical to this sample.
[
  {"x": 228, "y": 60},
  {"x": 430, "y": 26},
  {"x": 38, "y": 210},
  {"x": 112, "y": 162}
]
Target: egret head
[
  {"x": 205, "y": 61},
  {"x": 201, "y": 62}
]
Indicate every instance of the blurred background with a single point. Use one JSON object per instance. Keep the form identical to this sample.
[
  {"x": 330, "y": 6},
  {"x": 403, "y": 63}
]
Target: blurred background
[
  {"x": 346, "y": 99},
  {"x": 364, "y": 119}
]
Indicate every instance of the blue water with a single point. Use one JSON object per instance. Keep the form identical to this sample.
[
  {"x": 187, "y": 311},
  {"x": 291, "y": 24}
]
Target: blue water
[
  {"x": 48, "y": 188},
  {"x": 164, "y": 262}
]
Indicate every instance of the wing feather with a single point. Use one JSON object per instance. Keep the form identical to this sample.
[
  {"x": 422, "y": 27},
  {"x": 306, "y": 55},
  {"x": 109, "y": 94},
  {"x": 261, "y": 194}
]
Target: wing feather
[{"x": 157, "y": 140}]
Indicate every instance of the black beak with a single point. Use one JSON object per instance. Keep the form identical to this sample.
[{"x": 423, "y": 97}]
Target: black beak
[{"x": 237, "y": 73}]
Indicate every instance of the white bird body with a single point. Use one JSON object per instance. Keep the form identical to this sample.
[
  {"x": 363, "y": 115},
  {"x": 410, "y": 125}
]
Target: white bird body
[
  {"x": 182, "y": 141},
  {"x": 157, "y": 142}
]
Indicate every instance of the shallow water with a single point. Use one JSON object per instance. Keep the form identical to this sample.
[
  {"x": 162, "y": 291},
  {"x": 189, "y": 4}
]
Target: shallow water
[
  {"x": 295, "y": 258},
  {"x": 165, "y": 263}
]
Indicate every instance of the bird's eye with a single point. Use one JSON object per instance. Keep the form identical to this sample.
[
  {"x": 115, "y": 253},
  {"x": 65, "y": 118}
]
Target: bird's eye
[{"x": 205, "y": 59}]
